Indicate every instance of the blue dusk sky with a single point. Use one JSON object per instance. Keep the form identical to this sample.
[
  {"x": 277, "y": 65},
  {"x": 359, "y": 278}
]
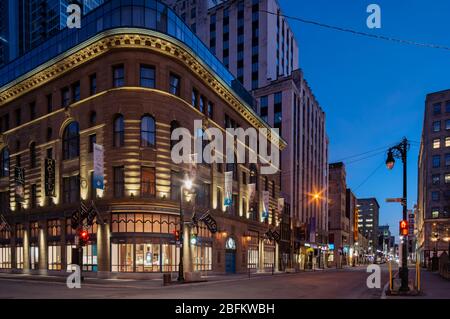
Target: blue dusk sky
[{"x": 373, "y": 91}]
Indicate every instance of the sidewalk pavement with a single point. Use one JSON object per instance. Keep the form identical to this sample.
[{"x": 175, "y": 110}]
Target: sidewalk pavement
[{"x": 433, "y": 286}]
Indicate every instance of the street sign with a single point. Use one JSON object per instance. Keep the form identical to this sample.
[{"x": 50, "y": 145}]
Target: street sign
[{"x": 394, "y": 200}]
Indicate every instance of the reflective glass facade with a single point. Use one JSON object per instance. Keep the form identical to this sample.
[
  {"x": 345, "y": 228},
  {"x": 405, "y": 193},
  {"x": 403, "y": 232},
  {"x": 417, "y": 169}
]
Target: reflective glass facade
[{"x": 147, "y": 14}]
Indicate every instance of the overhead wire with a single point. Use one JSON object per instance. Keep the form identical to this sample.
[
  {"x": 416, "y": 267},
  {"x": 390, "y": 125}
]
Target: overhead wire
[{"x": 363, "y": 34}]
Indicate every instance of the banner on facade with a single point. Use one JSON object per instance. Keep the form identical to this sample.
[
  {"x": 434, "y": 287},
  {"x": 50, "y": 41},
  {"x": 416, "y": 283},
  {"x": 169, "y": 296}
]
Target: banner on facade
[
  {"x": 251, "y": 189},
  {"x": 4, "y": 223},
  {"x": 98, "y": 166},
  {"x": 50, "y": 177},
  {"x": 210, "y": 222},
  {"x": 19, "y": 179},
  {"x": 266, "y": 198},
  {"x": 276, "y": 235},
  {"x": 269, "y": 234},
  {"x": 312, "y": 230},
  {"x": 228, "y": 199},
  {"x": 280, "y": 205}
]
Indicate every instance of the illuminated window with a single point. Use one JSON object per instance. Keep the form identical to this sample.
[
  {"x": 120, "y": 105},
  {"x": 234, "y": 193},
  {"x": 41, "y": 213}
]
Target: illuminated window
[
  {"x": 148, "y": 131},
  {"x": 4, "y": 162},
  {"x": 147, "y": 76},
  {"x": 435, "y": 212},
  {"x": 71, "y": 141},
  {"x": 447, "y": 141},
  {"x": 148, "y": 182},
  {"x": 119, "y": 131},
  {"x": 447, "y": 178},
  {"x": 436, "y": 143},
  {"x": 436, "y": 179},
  {"x": 118, "y": 76},
  {"x": 54, "y": 257}
]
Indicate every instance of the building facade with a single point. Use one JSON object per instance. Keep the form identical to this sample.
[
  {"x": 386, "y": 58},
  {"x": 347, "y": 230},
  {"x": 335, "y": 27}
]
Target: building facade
[
  {"x": 433, "y": 207},
  {"x": 340, "y": 233},
  {"x": 248, "y": 36},
  {"x": 289, "y": 105},
  {"x": 254, "y": 41},
  {"x": 127, "y": 90},
  {"x": 368, "y": 219}
]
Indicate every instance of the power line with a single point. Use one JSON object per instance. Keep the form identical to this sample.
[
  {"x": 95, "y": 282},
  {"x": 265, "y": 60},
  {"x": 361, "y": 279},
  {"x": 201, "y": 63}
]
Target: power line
[
  {"x": 364, "y": 153},
  {"x": 364, "y": 34},
  {"x": 368, "y": 177}
]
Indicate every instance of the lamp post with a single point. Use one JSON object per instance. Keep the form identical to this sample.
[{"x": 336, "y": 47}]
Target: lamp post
[
  {"x": 187, "y": 184},
  {"x": 400, "y": 151}
]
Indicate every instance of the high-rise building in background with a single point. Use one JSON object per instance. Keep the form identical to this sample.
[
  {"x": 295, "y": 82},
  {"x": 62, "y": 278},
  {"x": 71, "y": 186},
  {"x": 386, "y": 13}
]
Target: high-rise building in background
[
  {"x": 27, "y": 23},
  {"x": 385, "y": 239},
  {"x": 368, "y": 219},
  {"x": 340, "y": 233},
  {"x": 248, "y": 36},
  {"x": 255, "y": 42},
  {"x": 433, "y": 198}
]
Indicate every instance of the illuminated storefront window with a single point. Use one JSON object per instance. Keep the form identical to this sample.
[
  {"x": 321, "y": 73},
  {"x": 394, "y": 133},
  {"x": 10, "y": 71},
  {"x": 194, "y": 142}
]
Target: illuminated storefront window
[
  {"x": 5, "y": 257},
  {"x": 89, "y": 256},
  {"x": 19, "y": 257},
  {"x": 122, "y": 257},
  {"x": 269, "y": 254},
  {"x": 202, "y": 257},
  {"x": 54, "y": 257},
  {"x": 34, "y": 256}
]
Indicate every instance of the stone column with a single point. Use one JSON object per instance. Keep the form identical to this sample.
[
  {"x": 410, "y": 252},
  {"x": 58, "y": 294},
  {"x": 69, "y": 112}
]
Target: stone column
[
  {"x": 261, "y": 255},
  {"x": 187, "y": 250},
  {"x": 62, "y": 221},
  {"x": 103, "y": 251},
  {"x": 43, "y": 253},
  {"x": 277, "y": 257},
  {"x": 26, "y": 248}
]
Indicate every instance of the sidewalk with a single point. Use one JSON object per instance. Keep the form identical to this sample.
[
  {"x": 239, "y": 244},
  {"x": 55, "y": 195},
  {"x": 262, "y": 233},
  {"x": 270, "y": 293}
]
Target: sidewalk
[{"x": 433, "y": 286}]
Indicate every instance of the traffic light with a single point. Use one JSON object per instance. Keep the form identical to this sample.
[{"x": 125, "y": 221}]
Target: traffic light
[
  {"x": 83, "y": 237},
  {"x": 91, "y": 216},
  {"x": 404, "y": 228},
  {"x": 176, "y": 233},
  {"x": 194, "y": 239}
]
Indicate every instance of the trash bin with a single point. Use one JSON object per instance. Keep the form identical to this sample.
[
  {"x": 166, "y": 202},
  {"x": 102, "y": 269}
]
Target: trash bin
[{"x": 167, "y": 279}]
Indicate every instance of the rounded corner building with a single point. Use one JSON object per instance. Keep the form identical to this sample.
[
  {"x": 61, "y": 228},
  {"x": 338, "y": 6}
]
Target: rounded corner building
[{"x": 125, "y": 80}]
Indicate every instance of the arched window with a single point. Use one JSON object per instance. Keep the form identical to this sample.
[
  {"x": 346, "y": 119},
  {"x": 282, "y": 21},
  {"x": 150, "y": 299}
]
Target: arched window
[
  {"x": 33, "y": 155},
  {"x": 173, "y": 126},
  {"x": 4, "y": 162},
  {"x": 148, "y": 131},
  {"x": 71, "y": 141},
  {"x": 119, "y": 131},
  {"x": 93, "y": 118}
]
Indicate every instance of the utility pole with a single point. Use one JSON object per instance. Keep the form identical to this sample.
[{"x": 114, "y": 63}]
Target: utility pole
[{"x": 400, "y": 151}]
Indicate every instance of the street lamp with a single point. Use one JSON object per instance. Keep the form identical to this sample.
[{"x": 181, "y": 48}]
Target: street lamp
[
  {"x": 187, "y": 184},
  {"x": 400, "y": 151}
]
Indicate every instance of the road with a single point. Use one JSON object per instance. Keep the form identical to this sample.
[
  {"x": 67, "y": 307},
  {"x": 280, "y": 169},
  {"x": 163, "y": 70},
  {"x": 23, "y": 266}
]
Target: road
[{"x": 330, "y": 284}]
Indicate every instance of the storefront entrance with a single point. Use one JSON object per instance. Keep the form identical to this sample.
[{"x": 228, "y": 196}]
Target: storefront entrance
[
  {"x": 230, "y": 262},
  {"x": 230, "y": 256}
]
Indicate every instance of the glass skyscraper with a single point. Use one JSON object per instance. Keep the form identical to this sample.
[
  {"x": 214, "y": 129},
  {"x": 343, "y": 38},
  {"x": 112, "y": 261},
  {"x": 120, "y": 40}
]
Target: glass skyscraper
[{"x": 26, "y": 23}]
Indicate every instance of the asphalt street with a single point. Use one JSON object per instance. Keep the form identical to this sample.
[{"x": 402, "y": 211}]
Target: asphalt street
[{"x": 347, "y": 283}]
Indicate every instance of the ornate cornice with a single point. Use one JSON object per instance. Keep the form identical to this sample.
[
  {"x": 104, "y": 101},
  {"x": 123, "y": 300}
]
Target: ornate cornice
[{"x": 131, "y": 39}]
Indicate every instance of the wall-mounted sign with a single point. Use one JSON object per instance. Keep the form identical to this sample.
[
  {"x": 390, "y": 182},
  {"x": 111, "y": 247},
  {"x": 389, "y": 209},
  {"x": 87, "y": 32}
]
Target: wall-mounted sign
[
  {"x": 98, "y": 166},
  {"x": 228, "y": 199},
  {"x": 266, "y": 198},
  {"x": 251, "y": 188},
  {"x": 50, "y": 177},
  {"x": 19, "y": 179}
]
